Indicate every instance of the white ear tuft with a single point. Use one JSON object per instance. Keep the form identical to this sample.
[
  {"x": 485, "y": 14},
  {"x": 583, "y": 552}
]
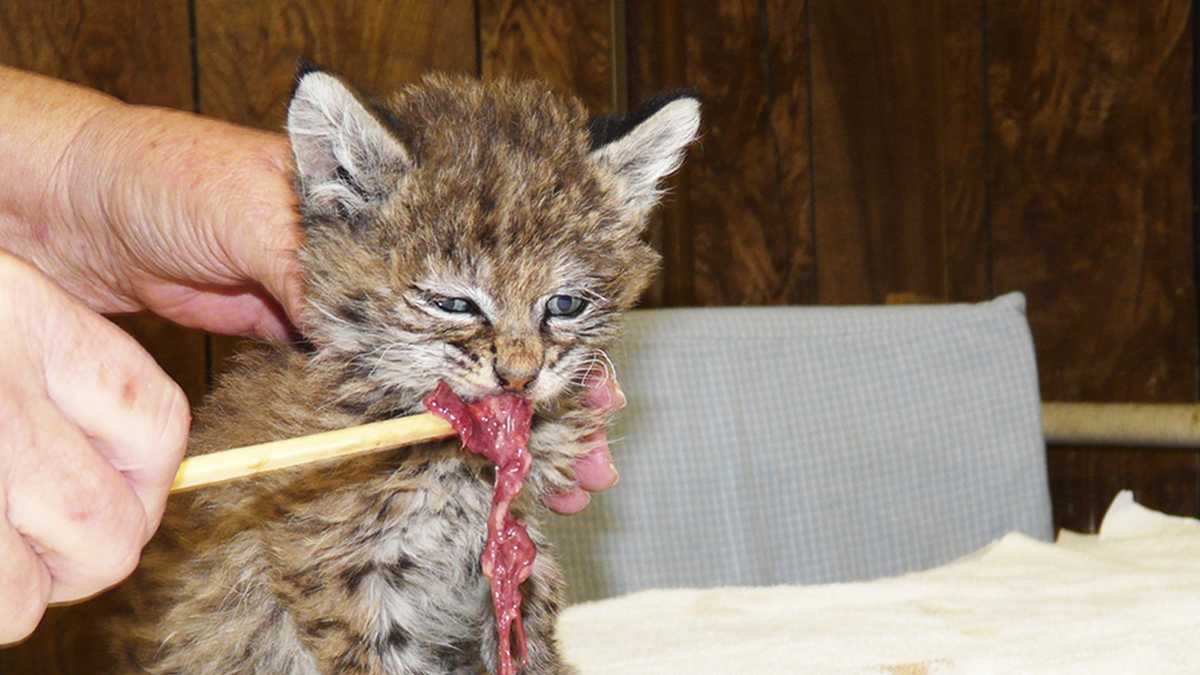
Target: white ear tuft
[
  {"x": 649, "y": 151},
  {"x": 345, "y": 158}
]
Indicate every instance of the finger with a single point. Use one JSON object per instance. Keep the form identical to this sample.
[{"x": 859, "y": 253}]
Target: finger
[
  {"x": 24, "y": 586},
  {"x": 570, "y": 502},
  {"x": 260, "y": 230},
  {"x": 77, "y": 513},
  {"x": 249, "y": 312},
  {"x": 122, "y": 402},
  {"x": 603, "y": 392},
  {"x": 595, "y": 471},
  {"x": 286, "y": 284},
  {"x": 229, "y": 218}
]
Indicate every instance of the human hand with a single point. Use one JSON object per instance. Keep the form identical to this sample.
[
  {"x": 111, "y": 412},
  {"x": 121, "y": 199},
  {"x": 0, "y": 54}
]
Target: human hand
[
  {"x": 196, "y": 217},
  {"x": 93, "y": 431},
  {"x": 131, "y": 208},
  {"x": 594, "y": 472}
]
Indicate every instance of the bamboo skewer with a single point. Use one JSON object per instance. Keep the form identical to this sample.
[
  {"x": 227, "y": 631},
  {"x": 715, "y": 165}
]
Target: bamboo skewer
[
  {"x": 218, "y": 467},
  {"x": 1119, "y": 424}
]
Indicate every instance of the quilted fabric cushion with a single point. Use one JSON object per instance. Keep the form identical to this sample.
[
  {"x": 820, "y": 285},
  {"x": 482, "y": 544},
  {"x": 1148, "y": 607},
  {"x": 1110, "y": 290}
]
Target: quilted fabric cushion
[{"x": 803, "y": 445}]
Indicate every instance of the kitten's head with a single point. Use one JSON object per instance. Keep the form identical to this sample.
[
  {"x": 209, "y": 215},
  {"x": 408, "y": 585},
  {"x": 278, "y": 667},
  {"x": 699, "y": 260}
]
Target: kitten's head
[{"x": 484, "y": 234}]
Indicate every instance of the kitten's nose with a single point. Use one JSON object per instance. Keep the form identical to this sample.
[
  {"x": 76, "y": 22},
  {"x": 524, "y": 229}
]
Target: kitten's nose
[
  {"x": 515, "y": 381},
  {"x": 517, "y": 363}
]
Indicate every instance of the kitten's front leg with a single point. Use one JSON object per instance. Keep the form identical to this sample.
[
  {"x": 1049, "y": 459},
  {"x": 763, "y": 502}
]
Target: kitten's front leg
[
  {"x": 322, "y": 600},
  {"x": 373, "y": 618},
  {"x": 384, "y": 578},
  {"x": 350, "y": 598}
]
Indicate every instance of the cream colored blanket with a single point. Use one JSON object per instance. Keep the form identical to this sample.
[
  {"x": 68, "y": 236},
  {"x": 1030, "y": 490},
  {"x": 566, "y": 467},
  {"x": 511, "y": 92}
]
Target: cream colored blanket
[{"x": 1124, "y": 601}]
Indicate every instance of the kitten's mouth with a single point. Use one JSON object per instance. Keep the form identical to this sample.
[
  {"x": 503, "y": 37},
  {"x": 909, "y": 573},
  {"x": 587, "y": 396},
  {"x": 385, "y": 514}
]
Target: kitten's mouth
[{"x": 541, "y": 407}]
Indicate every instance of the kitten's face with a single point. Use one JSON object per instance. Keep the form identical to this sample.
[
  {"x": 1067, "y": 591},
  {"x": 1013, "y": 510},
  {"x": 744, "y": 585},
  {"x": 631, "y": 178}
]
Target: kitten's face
[{"x": 475, "y": 234}]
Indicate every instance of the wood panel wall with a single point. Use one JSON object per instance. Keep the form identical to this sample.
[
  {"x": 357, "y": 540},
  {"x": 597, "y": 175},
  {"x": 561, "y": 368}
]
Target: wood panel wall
[
  {"x": 1089, "y": 170},
  {"x": 853, "y": 151}
]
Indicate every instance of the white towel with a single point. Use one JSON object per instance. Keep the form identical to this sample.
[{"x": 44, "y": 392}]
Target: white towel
[{"x": 1124, "y": 601}]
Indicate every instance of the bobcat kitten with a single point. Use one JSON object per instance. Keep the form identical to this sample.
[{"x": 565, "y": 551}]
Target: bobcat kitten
[{"x": 484, "y": 234}]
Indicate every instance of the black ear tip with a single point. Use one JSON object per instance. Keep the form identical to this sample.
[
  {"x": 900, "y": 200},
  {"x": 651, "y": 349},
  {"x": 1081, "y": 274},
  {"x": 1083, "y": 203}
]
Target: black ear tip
[
  {"x": 674, "y": 95},
  {"x": 604, "y": 130},
  {"x": 304, "y": 67}
]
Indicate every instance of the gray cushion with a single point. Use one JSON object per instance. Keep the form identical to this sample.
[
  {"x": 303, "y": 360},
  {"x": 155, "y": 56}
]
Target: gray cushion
[{"x": 804, "y": 445}]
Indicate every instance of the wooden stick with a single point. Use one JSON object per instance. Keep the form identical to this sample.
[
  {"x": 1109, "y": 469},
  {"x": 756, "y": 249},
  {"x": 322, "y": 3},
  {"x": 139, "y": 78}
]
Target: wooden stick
[
  {"x": 1119, "y": 424},
  {"x": 1122, "y": 424},
  {"x": 226, "y": 465}
]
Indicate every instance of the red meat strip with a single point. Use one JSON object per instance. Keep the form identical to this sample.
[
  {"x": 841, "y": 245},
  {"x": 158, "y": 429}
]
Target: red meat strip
[{"x": 497, "y": 427}]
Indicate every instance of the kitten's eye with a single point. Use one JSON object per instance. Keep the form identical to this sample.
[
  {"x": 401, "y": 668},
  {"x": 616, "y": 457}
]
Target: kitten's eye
[
  {"x": 456, "y": 305},
  {"x": 565, "y": 306}
]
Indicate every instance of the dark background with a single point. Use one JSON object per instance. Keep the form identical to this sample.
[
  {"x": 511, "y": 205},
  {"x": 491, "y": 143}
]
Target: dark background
[{"x": 854, "y": 151}]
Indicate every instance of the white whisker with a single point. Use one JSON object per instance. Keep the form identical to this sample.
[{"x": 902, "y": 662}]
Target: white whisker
[
  {"x": 610, "y": 369},
  {"x": 593, "y": 359},
  {"x": 379, "y": 361}
]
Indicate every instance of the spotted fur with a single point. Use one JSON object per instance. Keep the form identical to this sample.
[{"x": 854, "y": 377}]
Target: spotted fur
[{"x": 450, "y": 188}]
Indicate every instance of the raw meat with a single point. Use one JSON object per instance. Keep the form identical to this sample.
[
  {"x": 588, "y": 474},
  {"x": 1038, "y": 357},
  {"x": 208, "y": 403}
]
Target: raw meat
[{"x": 497, "y": 427}]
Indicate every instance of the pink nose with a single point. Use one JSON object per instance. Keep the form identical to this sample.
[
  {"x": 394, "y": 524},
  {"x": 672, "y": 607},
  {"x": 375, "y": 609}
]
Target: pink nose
[
  {"x": 515, "y": 381},
  {"x": 517, "y": 362}
]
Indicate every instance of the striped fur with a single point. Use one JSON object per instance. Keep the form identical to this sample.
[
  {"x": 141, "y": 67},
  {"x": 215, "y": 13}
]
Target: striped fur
[{"x": 447, "y": 189}]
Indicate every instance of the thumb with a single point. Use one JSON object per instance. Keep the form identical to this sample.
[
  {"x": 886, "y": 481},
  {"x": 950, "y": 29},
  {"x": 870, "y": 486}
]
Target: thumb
[
  {"x": 278, "y": 271},
  {"x": 261, "y": 232}
]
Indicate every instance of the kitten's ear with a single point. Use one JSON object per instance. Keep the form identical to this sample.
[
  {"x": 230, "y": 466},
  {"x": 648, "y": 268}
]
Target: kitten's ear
[
  {"x": 345, "y": 157},
  {"x": 645, "y": 146}
]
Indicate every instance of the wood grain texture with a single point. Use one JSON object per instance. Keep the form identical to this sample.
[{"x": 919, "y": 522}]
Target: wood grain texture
[
  {"x": 966, "y": 228},
  {"x": 247, "y": 51},
  {"x": 247, "y": 54},
  {"x": 566, "y": 44},
  {"x": 745, "y": 237},
  {"x": 655, "y": 62},
  {"x": 898, "y": 150},
  {"x": 136, "y": 50},
  {"x": 1090, "y": 137}
]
